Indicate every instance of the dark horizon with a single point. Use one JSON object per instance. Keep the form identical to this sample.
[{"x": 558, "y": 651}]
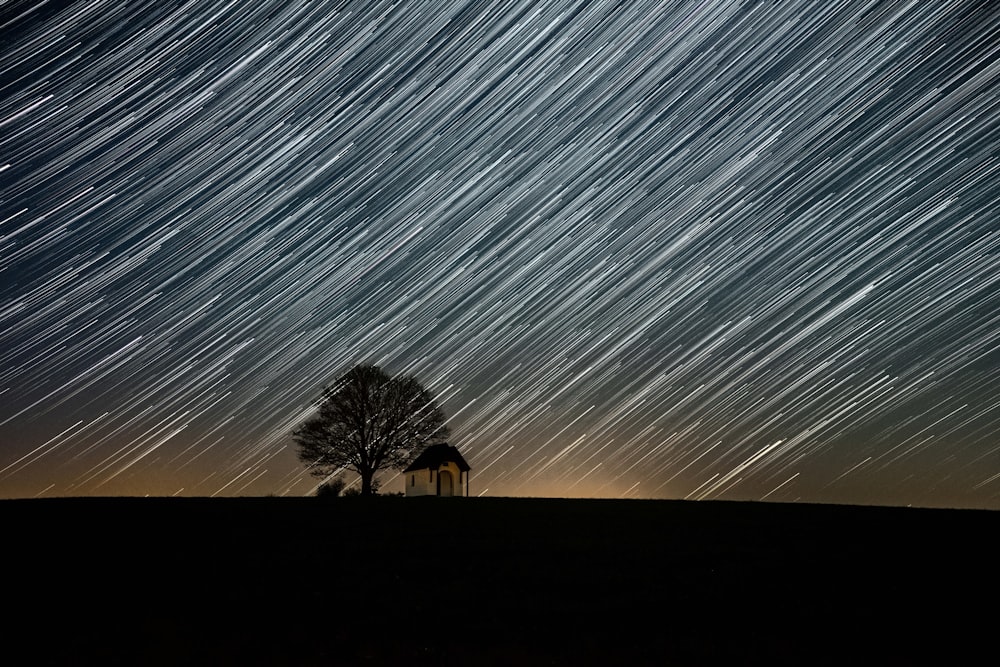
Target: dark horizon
[
  {"x": 394, "y": 497},
  {"x": 692, "y": 250},
  {"x": 274, "y": 581}
]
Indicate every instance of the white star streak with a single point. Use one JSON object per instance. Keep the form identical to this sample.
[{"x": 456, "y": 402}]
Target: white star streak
[{"x": 683, "y": 249}]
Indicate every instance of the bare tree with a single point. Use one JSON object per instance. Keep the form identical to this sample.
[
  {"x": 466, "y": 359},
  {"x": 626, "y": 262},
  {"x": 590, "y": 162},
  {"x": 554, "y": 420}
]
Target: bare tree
[{"x": 369, "y": 421}]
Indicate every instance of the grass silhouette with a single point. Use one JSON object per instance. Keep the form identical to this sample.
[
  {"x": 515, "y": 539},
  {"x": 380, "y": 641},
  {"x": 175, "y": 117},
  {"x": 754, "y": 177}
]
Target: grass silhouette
[{"x": 493, "y": 581}]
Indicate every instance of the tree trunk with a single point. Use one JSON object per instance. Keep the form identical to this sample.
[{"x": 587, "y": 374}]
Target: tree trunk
[{"x": 366, "y": 483}]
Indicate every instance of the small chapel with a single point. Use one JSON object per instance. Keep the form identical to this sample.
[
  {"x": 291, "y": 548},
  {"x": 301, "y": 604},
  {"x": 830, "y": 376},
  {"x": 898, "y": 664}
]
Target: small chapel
[{"x": 439, "y": 470}]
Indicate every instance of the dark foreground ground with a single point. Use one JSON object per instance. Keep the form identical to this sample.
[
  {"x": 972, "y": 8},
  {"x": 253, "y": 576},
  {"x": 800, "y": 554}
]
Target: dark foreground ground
[{"x": 493, "y": 581}]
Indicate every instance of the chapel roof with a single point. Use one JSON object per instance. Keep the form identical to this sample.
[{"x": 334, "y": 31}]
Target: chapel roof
[{"x": 437, "y": 455}]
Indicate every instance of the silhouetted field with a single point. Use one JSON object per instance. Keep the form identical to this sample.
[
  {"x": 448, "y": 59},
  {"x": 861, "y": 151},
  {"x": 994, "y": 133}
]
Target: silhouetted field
[{"x": 494, "y": 581}]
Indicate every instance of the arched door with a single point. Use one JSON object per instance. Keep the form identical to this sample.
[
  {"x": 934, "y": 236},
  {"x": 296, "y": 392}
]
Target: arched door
[{"x": 445, "y": 484}]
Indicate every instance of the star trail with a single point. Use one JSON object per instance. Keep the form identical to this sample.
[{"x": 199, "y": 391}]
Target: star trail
[{"x": 689, "y": 249}]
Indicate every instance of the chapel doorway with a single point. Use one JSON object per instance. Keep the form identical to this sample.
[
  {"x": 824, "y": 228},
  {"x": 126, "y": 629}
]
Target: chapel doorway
[{"x": 446, "y": 486}]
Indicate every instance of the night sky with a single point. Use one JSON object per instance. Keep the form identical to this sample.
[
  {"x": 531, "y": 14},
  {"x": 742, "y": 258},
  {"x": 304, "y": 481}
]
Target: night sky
[{"x": 690, "y": 249}]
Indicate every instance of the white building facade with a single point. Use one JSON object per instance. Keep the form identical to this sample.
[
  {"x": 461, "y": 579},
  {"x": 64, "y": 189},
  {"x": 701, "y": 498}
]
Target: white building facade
[{"x": 440, "y": 470}]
